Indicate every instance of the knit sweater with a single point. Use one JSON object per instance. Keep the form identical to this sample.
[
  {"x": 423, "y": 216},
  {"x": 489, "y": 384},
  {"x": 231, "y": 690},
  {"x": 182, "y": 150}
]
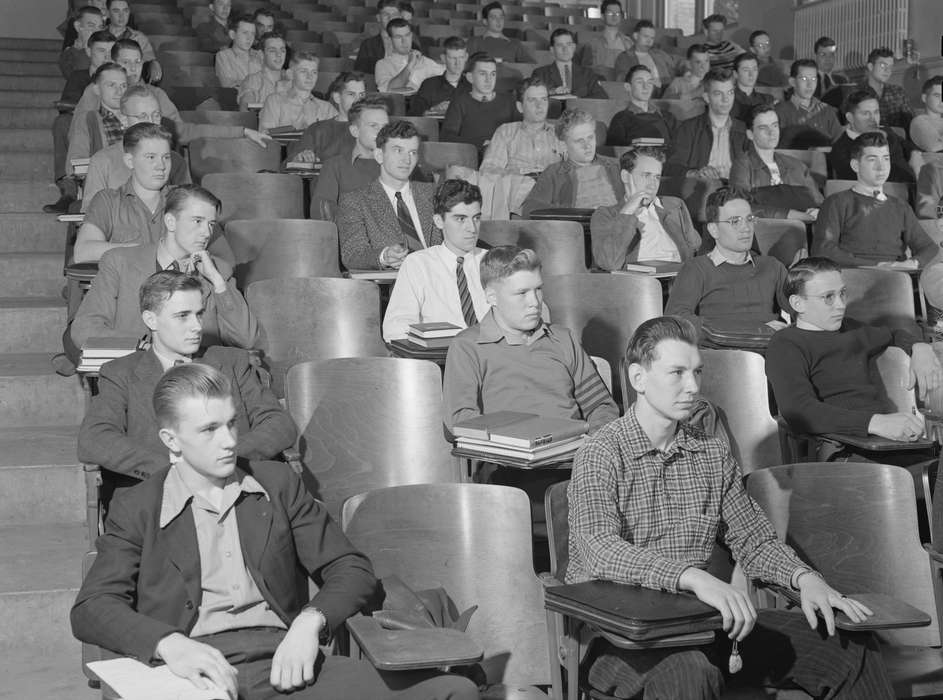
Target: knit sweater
[{"x": 469, "y": 121}]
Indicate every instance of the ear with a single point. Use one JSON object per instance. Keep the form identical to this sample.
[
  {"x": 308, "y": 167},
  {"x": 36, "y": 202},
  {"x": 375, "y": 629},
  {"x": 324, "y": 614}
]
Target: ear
[
  {"x": 150, "y": 319},
  {"x": 797, "y": 303},
  {"x": 750, "y": 134},
  {"x": 923, "y": 98},
  {"x": 792, "y": 82},
  {"x": 170, "y": 223},
  {"x": 855, "y": 165},
  {"x": 637, "y": 377},
  {"x": 438, "y": 221},
  {"x": 491, "y": 296},
  {"x": 625, "y": 176},
  {"x": 232, "y": 34},
  {"x": 378, "y": 155},
  {"x": 520, "y": 106},
  {"x": 97, "y": 90},
  {"x": 354, "y": 130},
  {"x": 705, "y": 98},
  {"x": 712, "y": 229},
  {"x": 128, "y": 160},
  {"x": 169, "y": 438}
]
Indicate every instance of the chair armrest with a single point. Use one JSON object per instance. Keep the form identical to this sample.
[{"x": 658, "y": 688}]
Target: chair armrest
[
  {"x": 64, "y": 106},
  {"x": 399, "y": 650}
]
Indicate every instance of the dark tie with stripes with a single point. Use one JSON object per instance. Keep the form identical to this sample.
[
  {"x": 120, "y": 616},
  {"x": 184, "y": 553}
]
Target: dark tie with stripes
[
  {"x": 468, "y": 309},
  {"x": 406, "y": 224}
]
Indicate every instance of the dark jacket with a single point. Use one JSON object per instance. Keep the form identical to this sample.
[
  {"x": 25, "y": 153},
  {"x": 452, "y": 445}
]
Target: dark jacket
[{"x": 691, "y": 148}]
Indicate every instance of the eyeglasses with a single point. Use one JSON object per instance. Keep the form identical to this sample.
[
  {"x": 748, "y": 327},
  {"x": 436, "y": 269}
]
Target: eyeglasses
[
  {"x": 829, "y": 297},
  {"x": 737, "y": 221}
]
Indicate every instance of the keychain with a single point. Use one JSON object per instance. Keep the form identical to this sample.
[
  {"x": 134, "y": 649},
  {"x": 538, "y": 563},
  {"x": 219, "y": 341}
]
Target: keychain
[{"x": 734, "y": 663}]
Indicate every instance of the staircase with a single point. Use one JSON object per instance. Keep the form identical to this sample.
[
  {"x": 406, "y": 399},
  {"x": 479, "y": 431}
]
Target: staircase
[{"x": 42, "y": 493}]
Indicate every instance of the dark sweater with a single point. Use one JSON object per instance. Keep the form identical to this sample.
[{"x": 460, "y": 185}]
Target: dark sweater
[
  {"x": 631, "y": 124},
  {"x": 469, "y": 121},
  {"x": 839, "y": 159},
  {"x": 822, "y": 379}
]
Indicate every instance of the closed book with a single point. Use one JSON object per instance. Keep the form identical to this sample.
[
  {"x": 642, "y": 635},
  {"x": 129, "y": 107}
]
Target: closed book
[
  {"x": 437, "y": 343},
  {"x": 481, "y": 426},
  {"x": 301, "y": 165},
  {"x": 434, "y": 329},
  {"x": 516, "y": 458},
  {"x": 537, "y": 431},
  {"x": 80, "y": 165},
  {"x": 372, "y": 274},
  {"x": 552, "y": 450},
  {"x": 109, "y": 347},
  {"x": 648, "y": 141},
  {"x": 653, "y": 267}
]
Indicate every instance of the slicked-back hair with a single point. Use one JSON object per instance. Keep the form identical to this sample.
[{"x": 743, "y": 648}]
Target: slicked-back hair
[
  {"x": 141, "y": 90},
  {"x": 340, "y": 82},
  {"x": 504, "y": 260},
  {"x": 104, "y": 68},
  {"x": 191, "y": 380},
  {"x": 711, "y": 19},
  {"x": 561, "y": 32},
  {"x": 802, "y": 63},
  {"x": 528, "y": 83},
  {"x": 880, "y": 52},
  {"x": 299, "y": 56},
  {"x": 454, "y": 43},
  {"x": 398, "y": 129},
  {"x": 637, "y": 68},
  {"x": 693, "y": 49},
  {"x": 486, "y": 10},
  {"x": 802, "y": 271},
  {"x": 643, "y": 346},
  {"x": 756, "y": 35},
  {"x": 717, "y": 75},
  {"x": 383, "y": 4},
  {"x": 856, "y": 98},
  {"x": 452, "y": 192},
  {"x": 236, "y": 20},
  {"x": 162, "y": 285},
  {"x": 371, "y": 101},
  {"x": 87, "y": 10},
  {"x": 102, "y": 36},
  {"x": 397, "y": 23},
  {"x": 479, "y": 57},
  {"x": 756, "y": 111},
  {"x": 129, "y": 44},
  {"x": 720, "y": 197},
  {"x": 572, "y": 118},
  {"x": 262, "y": 12},
  {"x": 643, "y": 24},
  {"x": 935, "y": 81},
  {"x": 178, "y": 197},
  {"x": 745, "y": 56},
  {"x": 268, "y": 36},
  {"x": 875, "y": 139},
  {"x": 403, "y": 6},
  {"x": 133, "y": 135},
  {"x": 628, "y": 159},
  {"x": 823, "y": 42}
]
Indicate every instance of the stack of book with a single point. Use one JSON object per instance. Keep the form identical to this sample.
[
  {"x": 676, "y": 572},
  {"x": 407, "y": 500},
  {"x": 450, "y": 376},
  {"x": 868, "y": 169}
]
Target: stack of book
[
  {"x": 98, "y": 351},
  {"x": 647, "y": 141},
  {"x": 519, "y": 439},
  {"x": 437, "y": 334},
  {"x": 80, "y": 166}
]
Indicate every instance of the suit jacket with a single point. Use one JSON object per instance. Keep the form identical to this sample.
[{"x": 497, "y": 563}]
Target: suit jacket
[
  {"x": 749, "y": 172},
  {"x": 585, "y": 81},
  {"x": 120, "y": 428},
  {"x": 839, "y": 159},
  {"x": 367, "y": 223},
  {"x": 145, "y": 582},
  {"x": 112, "y": 309},
  {"x": 556, "y": 186},
  {"x": 666, "y": 64},
  {"x": 825, "y": 84},
  {"x": 691, "y": 148}
]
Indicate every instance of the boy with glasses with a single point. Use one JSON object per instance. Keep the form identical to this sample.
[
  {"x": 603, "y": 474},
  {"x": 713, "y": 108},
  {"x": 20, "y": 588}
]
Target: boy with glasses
[{"x": 806, "y": 121}]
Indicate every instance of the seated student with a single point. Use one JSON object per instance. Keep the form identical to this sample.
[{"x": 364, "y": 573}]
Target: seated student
[
  {"x": 238, "y": 62},
  {"x": 119, "y": 432},
  {"x": 786, "y": 188},
  {"x": 405, "y": 68},
  {"x": 689, "y": 85},
  {"x": 213, "y": 34},
  {"x": 514, "y": 361},
  {"x": 88, "y": 20},
  {"x": 825, "y": 51},
  {"x": 705, "y": 146},
  {"x": 436, "y": 92},
  {"x": 107, "y": 169},
  {"x": 643, "y": 226},
  {"x": 271, "y": 77},
  {"x": 804, "y": 120},
  {"x": 328, "y": 138},
  {"x": 819, "y": 367},
  {"x": 640, "y": 118},
  {"x": 296, "y": 107},
  {"x": 893, "y": 99},
  {"x": 584, "y": 179},
  {"x": 379, "y": 225},
  {"x": 356, "y": 167},
  {"x": 649, "y": 496},
  {"x": 474, "y": 115},
  {"x": 730, "y": 288},
  {"x": 92, "y": 130},
  {"x": 119, "y": 13},
  {"x": 234, "y": 609},
  {"x": 442, "y": 282},
  {"x": 926, "y": 130},
  {"x": 722, "y": 52},
  {"x": 605, "y": 47},
  {"x": 863, "y": 115},
  {"x": 661, "y": 65},
  {"x": 865, "y": 226},
  {"x": 264, "y": 23},
  {"x": 563, "y": 76},
  {"x": 110, "y": 309},
  {"x": 493, "y": 42},
  {"x": 375, "y": 47},
  {"x": 746, "y": 69},
  {"x": 770, "y": 75},
  {"x": 929, "y": 190}
]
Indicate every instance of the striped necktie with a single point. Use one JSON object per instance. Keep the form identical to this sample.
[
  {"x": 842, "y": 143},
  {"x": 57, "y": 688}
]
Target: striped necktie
[
  {"x": 406, "y": 225},
  {"x": 468, "y": 309},
  {"x": 568, "y": 78}
]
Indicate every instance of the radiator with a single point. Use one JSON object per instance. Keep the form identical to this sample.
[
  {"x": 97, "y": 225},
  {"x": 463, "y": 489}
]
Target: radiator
[{"x": 857, "y": 26}]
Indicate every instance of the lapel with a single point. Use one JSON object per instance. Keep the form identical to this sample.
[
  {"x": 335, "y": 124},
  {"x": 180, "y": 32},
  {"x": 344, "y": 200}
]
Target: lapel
[
  {"x": 254, "y": 515},
  {"x": 179, "y": 542},
  {"x": 149, "y": 369}
]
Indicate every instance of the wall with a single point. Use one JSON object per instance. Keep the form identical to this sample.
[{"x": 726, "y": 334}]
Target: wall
[
  {"x": 33, "y": 19},
  {"x": 773, "y": 16},
  {"x": 926, "y": 26}
]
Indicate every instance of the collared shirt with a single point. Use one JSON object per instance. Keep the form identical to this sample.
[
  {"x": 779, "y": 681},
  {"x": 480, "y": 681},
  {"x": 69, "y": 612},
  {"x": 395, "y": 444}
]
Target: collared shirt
[
  {"x": 656, "y": 244},
  {"x": 502, "y": 48},
  {"x": 108, "y": 171},
  {"x": 256, "y": 88},
  {"x": 230, "y": 597},
  {"x": 124, "y": 218},
  {"x": 894, "y": 104},
  {"x": 517, "y": 149},
  {"x": 645, "y": 59},
  {"x": 166, "y": 362},
  {"x": 426, "y": 290},
  {"x": 562, "y": 70},
  {"x": 407, "y": 193},
  {"x": 720, "y": 148},
  {"x": 147, "y": 51},
  {"x": 605, "y": 51},
  {"x": 717, "y": 257},
  {"x": 282, "y": 109},
  {"x": 393, "y": 64},
  {"x": 642, "y": 516},
  {"x": 112, "y": 126},
  {"x": 232, "y": 67},
  {"x": 342, "y": 173}
]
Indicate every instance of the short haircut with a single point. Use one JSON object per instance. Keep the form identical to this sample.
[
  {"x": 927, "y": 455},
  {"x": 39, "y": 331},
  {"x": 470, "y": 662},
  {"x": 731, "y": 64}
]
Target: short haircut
[
  {"x": 643, "y": 346},
  {"x": 756, "y": 111},
  {"x": 802, "y": 271},
  {"x": 109, "y": 3},
  {"x": 720, "y": 197},
  {"x": 373, "y": 101},
  {"x": 637, "y": 68},
  {"x": 756, "y": 35},
  {"x": 802, "y": 63},
  {"x": 823, "y": 42},
  {"x": 628, "y": 159},
  {"x": 404, "y": 6},
  {"x": 608, "y": 3},
  {"x": 340, "y": 82},
  {"x": 262, "y": 12},
  {"x": 693, "y": 49},
  {"x": 397, "y": 23},
  {"x": 570, "y": 119},
  {"x": 140, "y": 91},
  {"x": 133, "y": 135},
  {"x": 383, "y": 4},
  {"x": 504, "y": 260},
  {"x": 236, "y": 20},
  {"x": 745, "y": 56},
  {"x": 717, "y": 75},
  {"x": 398, "y": 129},
  {"x": 561, "y": 32},
  {"x": 880, "y": 52},
  {"x": 102, "y": 36},
  {"x": 643, "y": 24},
  {"x": 104, "y": 68},
  {"x": 269, "y": 36},
  {"x": 87, "y": 10},
  {"x": 856, "y": 98},
  {"x": 478, "y": 57},
  {"x": 452, "y": 192},
  {"x": 712, "y": 19},
  {"x": 129, "y": 44},
  {"x": 935, "y": 81},
  {"x": 190, "y": 380},
  {"x": 454, "y": 43},
  {"x": 160, "y": 286},
  {"x": 178, "y": 197},
  {"x": 528, "y": 83},
  {"x": 875, "y": 139},
  {"x": 486, "y": 10},
  {"x": 300, "y": 56}
]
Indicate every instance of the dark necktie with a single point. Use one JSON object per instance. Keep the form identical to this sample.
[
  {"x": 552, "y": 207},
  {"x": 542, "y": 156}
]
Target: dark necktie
[
  {"x": 406, "y": 224},
  {"x": 568, "y": 78},
  {"x": 468, "y": 309}
]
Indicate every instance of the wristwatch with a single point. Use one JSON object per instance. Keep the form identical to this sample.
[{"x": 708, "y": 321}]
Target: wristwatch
[{"x": 325, "y": 635}]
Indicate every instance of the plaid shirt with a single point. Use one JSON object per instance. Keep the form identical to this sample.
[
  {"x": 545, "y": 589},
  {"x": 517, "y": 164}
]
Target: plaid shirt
[
  {"x": 642, "y": 516},
  {"x": 112, "y": 128},
  {"x": 894, "y": 104}
]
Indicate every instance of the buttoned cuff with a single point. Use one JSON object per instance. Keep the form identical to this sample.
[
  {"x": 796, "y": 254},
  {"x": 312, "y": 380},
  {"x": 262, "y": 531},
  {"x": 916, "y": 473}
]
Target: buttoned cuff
[{"x": 664, "y": 575}]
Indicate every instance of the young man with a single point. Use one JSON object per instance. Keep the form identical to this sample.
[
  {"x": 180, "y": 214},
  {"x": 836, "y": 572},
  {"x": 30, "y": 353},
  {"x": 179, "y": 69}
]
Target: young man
[
  {"x": 606, "y": 46},
  {"x": 330, "y": 137},
  {"x": 863, "y": 114},
  {"x": 379, "y": 225},
  {"x": 203, "y": 567},
  {"x": 819, "y": 367},
  {"x": 643, "y": 226},
  {"x": 473, "y": 116},
  {"x": 493, "y": 42},
  {"x": 649, "y": 496},
  {"x": 442, "y": 282},
  {"x": 119, "y": 432},
  {"x": 705, "y": 146},
  {"x": 721, "y": 51},
  {"x": 88, "y": 20},
  {"x": 264, "y": 24},
  {"x": 563, "y": 76},
  {"x": 892, "y": 99},
  {"x": 110, "y": 309},
  {"x": 297, "y": 107},
  {"x": 689, "y": 86},
  {"x": 640, "y": 118},
  {"x": 661, "y": 65},
  {"x": 213, "y": 34},
  {"x": 405, "y": 67},
  {"x": 730, "y": 288},
  {"x": 782, "y": 186},
  {"x": 926, "y": 130},
  {"x": 746, "y": 69},
  {"x": 804, "y": 120},
  {"x": 92, "y": 130},
  {"x": 373, "y": 48},
  {"x": 826, "y": 51},
  {"x": 271, "y": 77},
  {"x": 863, "y": 225},
  {"x": 929, "y": 191},
  {"x": 238, "y": 62},
  {"x": 436, "y": 92},
  {"x": 119, "y": 13},
  {"x": 770, "y": 75},
  {"x": 356, "y": 167}
]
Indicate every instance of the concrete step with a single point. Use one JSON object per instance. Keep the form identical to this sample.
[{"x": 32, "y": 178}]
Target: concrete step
[
  {"x": 33, "y": 68},
  {"x": 40, "y": 475},
  {"x": 32, "y": 82},
  {"x": 27, "y": 196},
  {"x": 25, "y": 140},
  {"x": 32, "y": 324},
  {"x": 23, "y": 165},
  {"x": 46, "y": 676},
  {"x": 36, "y": 233},
  {"x": 29, "y": 98},
  {"x": 28, "y": 44},
  {"x": 27, "y": 117},
  {"x": 30, "y": 275},
  {"x": 31, "y": 393},
  {"x": 37, "y": 56}
]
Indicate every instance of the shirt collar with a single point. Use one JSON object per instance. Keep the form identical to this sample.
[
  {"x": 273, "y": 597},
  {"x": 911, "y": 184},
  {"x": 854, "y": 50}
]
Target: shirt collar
[
  {"x": 164, "y": 259},
  {"x": 685, "y": 438},
  {"x": 490, "y": 332},
  {"x": 166, "y": 362},
  {"x": 391, "y": 193},
  {"x": 713, "y": 121},
  {"x": 177, "y": 495},
  {"x": 718, "y": 258}
]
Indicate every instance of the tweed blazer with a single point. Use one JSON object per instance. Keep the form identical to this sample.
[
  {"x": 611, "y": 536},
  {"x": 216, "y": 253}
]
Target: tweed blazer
[{"x": 585, "y": 80}]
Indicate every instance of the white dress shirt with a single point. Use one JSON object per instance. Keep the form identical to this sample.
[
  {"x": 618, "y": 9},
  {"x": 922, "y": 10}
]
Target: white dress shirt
[
  {"x": 410, "y": 206},
  {"x": 656, "y": 244}
]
